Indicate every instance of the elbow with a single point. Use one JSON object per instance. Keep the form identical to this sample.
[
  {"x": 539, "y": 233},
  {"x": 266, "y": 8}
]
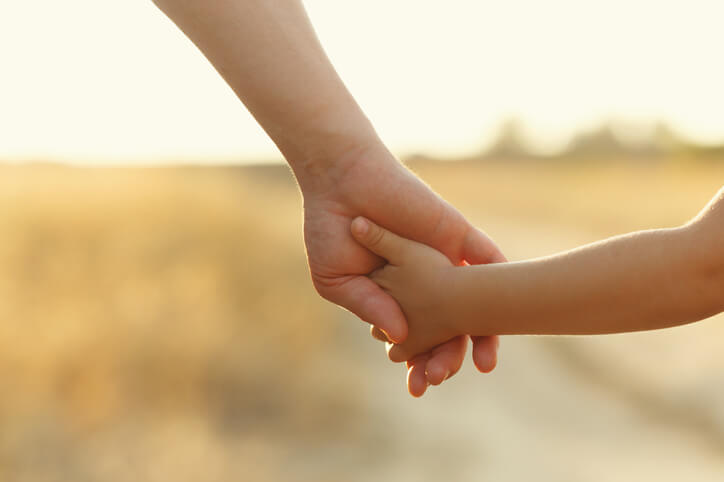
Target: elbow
[
  {"x": 711, "y": 285},
  {"x": 713, "y": 225},
  {"x": 705, "y": 240},
  {"x": 717, "y": 278}
]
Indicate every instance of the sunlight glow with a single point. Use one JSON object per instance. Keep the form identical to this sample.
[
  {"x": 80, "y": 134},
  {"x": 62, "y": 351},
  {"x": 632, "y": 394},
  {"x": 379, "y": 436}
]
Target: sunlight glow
[{"x": 104, "y": 81}]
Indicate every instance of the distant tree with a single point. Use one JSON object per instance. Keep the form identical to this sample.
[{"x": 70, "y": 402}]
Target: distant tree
[
  {"x": 603, "y": 142},
  {"x": 509, "y": 143},
  {"x": 596, "y": 143}
]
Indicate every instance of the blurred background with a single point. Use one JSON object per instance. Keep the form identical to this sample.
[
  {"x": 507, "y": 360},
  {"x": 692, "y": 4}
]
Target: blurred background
[{"x": 156, "y": 317}]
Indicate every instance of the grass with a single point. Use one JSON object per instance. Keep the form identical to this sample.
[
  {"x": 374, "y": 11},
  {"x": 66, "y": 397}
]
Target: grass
[
  {"x": 139, "y": 296},
  {"x": 159, "y": 324}
]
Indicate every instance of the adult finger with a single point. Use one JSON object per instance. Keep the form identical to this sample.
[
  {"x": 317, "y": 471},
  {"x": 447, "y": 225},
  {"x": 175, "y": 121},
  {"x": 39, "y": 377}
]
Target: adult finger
[
  {"x": 485, "y": 352},
  {"x": 446, "y": 360},
  {"x": 478, "y": 248},
  {"x": 378, "y": 334},
  {"x": 416, "y": 378},
  {"x": 379, "y": 240},
  {"x": 397, "y": 353},
  {"x": 368, "y": 301}
]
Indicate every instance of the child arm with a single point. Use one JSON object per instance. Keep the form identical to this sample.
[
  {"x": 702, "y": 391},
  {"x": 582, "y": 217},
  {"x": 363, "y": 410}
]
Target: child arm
[{"x": 639, "y": 281}]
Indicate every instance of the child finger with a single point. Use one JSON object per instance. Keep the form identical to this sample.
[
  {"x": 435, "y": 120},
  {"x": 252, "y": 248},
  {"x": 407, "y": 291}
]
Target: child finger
[{"x": 378, "y": 240}]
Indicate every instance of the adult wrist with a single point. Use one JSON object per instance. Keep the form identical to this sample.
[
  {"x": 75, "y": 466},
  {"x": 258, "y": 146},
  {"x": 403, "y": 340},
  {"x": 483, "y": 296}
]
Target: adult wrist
[{"x": 329, "y": 157}]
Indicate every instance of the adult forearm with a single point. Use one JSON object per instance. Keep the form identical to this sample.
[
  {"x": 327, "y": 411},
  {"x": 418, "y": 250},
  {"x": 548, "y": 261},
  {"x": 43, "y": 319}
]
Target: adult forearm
[
  {"x": 268, "y": 53},
  {"x": 640, "y": 281}
]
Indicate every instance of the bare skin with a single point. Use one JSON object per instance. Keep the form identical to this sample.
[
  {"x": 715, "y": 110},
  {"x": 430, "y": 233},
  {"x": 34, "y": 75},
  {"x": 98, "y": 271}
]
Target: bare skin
[
  {"x": 639, "y": 281},
  {"x": 270, "y": 56}
]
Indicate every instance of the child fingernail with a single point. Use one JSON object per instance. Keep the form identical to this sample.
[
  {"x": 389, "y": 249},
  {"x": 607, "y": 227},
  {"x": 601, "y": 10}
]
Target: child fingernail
[{"x": 360, "y": 226}]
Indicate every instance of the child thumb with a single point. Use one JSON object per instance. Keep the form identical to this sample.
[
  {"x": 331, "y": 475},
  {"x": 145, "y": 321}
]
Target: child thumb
[{"x": 378, "y": 240}]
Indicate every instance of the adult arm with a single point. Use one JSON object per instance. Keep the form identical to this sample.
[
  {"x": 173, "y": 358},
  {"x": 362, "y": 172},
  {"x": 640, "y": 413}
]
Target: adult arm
[{"x": 270, "y": 56}]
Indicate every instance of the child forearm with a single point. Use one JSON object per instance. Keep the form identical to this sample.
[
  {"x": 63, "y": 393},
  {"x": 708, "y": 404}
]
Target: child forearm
[{"x": 640, "y": 281}]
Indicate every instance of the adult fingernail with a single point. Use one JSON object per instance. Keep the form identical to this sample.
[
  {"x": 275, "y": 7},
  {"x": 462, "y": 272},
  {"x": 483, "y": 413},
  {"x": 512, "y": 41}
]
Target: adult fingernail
[{"x": 447, "y": 375}]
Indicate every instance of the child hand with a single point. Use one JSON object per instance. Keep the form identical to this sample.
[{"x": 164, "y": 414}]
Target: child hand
[{"x": 419, "y": 279}]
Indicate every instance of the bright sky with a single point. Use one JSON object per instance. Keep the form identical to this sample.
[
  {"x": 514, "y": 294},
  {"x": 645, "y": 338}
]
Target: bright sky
[{"x": 114, "y": 81}]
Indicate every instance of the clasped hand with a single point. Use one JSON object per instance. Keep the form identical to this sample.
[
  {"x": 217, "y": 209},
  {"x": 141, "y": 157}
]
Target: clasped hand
[{"x": 373, "y": 184}]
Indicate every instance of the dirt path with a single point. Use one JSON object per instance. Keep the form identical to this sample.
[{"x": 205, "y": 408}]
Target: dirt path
[{"x": 626, "y": 407}]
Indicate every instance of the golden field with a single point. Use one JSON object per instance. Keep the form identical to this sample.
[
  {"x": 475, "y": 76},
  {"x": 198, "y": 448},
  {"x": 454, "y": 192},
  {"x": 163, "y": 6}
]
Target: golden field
[{"x": 158, "y": 324}]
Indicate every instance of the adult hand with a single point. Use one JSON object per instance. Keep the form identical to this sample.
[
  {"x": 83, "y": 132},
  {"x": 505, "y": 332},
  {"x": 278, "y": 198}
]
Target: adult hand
[
  {"x": 370, "y": 182},
  {"x": 270, "y": 56}
]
